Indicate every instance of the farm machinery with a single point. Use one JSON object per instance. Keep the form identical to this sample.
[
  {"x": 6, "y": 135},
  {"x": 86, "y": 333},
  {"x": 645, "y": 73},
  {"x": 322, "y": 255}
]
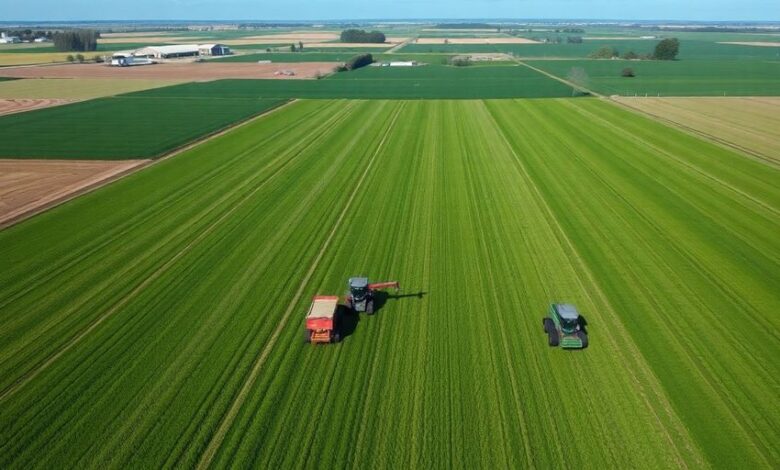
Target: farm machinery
[
  {"x": 322, "y": 319},
  {"x": 360, "y": 296},
  {"x": 564, "y": 327}
]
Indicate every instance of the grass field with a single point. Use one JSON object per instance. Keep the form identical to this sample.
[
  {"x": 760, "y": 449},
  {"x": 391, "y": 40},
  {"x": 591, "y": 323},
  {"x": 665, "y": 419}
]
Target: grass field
[
  {"x": 119, "y": 127},
  {"x": 157, "y": 321},
  {"x": 674, "y": 78},
  {"x": 428, "y": 82},
  {"x": 752, "y": 124},
  {"x": 83, "y": 88}
]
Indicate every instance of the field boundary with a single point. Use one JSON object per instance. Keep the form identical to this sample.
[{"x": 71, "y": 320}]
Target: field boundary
[
  {"x": 562, "y": 80},
  {"x": 237, "y": 403},
  {"x": 153, "y": 161}
]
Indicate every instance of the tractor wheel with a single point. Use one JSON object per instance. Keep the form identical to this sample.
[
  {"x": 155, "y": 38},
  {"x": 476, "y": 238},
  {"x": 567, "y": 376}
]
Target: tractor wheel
[
  {"x": 370, "y": 307},
  {"x": 336, "y": 337},
  {"x": 306, "y": 336},
  {"x": 553, "y": 339},
  {"x": 583, "y": 338},
  {"x": 548, "y": 325}
]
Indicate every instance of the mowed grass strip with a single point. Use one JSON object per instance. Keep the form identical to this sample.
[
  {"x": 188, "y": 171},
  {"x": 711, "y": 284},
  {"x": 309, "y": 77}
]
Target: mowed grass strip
[
  {"x": 120, "y": 127},
  {"x": 456, "y": 368},
  {"x": 178, "y": 349},
  {"x": 83, "y": 88},
  {"x": 684, "y": 251},
  {"x": 425, "y": 82}
]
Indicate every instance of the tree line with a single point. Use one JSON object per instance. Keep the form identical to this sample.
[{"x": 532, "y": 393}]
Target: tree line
[
  {"x": 76, "y": 40},
  {"x": 362, "y": 36},
  {"x": 667, "y": 49}
]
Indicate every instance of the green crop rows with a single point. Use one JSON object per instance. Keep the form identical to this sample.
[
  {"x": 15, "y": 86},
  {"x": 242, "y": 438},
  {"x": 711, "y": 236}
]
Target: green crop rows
[
  {"x": 120, "y": 127},
  {"x": 157, "y": 321},
  {"x": 674, "y": 78},
  {"x": 427, "y": 82}
]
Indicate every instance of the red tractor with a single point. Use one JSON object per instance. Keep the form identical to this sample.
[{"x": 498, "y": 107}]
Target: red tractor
[{"x": 322, "y": 320}]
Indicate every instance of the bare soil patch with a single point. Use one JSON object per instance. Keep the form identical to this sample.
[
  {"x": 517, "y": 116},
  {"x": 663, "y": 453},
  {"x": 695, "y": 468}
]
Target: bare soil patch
[
  {"x": 475, "y": 41},
  {"x": 29, "y": 186},
  {"x": 18, "y": 105},
  {"x": 173, "y": 71}
]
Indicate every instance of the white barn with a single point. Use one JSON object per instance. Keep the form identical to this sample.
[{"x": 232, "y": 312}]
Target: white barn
[{"x": 168, "y": 52}]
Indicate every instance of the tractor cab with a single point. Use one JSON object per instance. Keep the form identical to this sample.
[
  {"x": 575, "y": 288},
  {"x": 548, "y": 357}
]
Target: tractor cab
[
  {"x": 569, "y": 318},
  {"x": 358, "y": 288}
]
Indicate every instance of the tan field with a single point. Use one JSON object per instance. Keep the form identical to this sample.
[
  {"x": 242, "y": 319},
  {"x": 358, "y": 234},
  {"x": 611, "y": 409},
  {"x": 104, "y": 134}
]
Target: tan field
[
  {"x": 753, "y": 43},
  {"x": 751, "y": 124},
  {"x": 173, "y": 71},
  {"x": 153, "y": 39},
  {"x": 475, "y": 41},
  {"x": 18, "y": 105},
  {"x": 70, "y": 89},
  {"x": 32, "y": 58},
  {"x": 29, "y": 186}
]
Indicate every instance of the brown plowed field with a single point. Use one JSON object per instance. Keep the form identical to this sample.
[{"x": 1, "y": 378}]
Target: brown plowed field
[
  {"x": 10, "y": 106},
  {"x": 29, "y": 186},
  {"x": 173, "y": 71}
]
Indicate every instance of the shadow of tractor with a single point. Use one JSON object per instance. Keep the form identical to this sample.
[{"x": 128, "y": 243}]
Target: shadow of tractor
[{"x": 349, "y": 319}]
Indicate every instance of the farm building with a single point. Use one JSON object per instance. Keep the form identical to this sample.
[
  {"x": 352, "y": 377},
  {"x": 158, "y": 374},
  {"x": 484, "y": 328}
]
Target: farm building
[
  {"x": 6, "y": 39},
  {"x": 213, "y": 49},
  {"x": 127, "y": 59},
  {"x": 168, "y": 52}
]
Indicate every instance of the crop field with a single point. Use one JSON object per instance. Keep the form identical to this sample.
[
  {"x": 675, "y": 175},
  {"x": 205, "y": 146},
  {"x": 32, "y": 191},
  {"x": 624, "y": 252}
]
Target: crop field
[
  {"x": 427, "y": 82},
  {"x": 72, "y": 89},
  {"x": 120, "y": 127},
  {"x": 673, "y": 78},
  {"x": 751, "y": 124},
  {"x": 157, "y": 321}
]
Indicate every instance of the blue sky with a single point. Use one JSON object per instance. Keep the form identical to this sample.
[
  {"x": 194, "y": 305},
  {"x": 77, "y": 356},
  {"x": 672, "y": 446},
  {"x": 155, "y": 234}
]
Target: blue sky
[{"x": 715, "y": 10}]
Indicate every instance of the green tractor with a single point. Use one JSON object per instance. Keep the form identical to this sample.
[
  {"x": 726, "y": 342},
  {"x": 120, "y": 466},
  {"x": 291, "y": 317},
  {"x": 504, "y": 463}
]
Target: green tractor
[{"x": 564, "y": 327}]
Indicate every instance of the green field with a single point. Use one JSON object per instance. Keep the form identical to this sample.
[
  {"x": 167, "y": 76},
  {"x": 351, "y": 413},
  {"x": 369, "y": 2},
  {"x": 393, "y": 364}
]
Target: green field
[
  {"x": 674, "y": 78},
  {"x": 120, "y": 127},
  {"x": 157, "y": 321},
  {"x": 427, "y": 82}
]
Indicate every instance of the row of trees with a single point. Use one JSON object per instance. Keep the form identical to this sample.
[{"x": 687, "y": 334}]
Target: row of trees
[
  {"x": 76, "y": 40},
  {"x": 667, "y": 49},
  {"x": 362, "y": 36},
  {"x": 27, "y": 35},
  {"x": 356, "y": 62}
]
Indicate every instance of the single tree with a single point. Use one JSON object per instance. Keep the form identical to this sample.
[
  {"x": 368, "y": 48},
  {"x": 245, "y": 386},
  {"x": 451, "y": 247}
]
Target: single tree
[
  {"x": 627, "y": 72},
  {"x": 667, "y": 49},
  {"x": 300, "y": 46},
  {"x": 292, "y": 47},
  {"x": 70, "y": 58}
]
